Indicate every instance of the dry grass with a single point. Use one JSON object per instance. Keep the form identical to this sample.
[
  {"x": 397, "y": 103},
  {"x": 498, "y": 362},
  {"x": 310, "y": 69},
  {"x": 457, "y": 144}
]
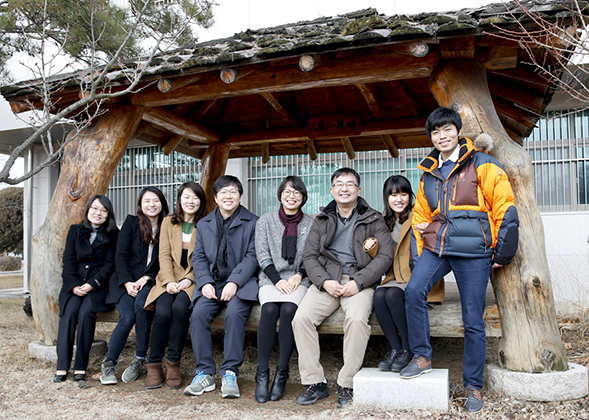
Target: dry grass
[
  {"x": 11, "y": 281},
  {"x": 26, "y": 390}
]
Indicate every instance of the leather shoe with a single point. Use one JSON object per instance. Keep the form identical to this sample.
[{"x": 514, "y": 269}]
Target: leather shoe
[
  {"x": 474, "y": 400},
  {"x": 418, "y": 366},
  {"x": 262, "y": 381},
  {"x": 388, "y": 360},
  {"x": 79, "y": 377},
  {"x": 403, "y": 359},
  {"x": 59, "y": 378},
  {"x": 279, "y": 384}
]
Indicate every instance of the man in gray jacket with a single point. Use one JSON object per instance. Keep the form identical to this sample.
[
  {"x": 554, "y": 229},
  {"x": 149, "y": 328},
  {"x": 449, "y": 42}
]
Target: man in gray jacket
[{"x": 343, "y": 274}]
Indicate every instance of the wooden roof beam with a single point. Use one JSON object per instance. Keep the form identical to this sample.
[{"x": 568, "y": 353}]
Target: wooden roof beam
[
  {"x": 180, "y": 125},
  {"x": 383, "y": 67},
  {"x": 228, "y": 109},
  {"x": 518, "y": 114},
  {"x": 287, "y": 117},
  {"x": 331, "y": 104},
  {"x": 265, "y": 152},
  {"x": 402, "y": 126},
  {"x": 391, "y": 146},
  {"x": 175, "y": 139},
  {"x": 499, "y": 58},
  {"x": 516, "y": 94},
  {"x": 462, "y": 47},
  {"x": 311, "y": 149},
  {"x": 408, "y": 97},
  {"x": 349, "y": 148},
  {"x": 372, "y": 100},
  {"x": 521, "y": 75}
]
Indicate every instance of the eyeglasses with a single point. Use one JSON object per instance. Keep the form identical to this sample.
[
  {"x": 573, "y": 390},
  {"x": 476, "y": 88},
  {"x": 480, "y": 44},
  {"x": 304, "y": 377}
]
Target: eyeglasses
[
  {"x": 287, "y": 193},
  {"x": 339, "y": 185},
  {"x": 225, "y": 193},
  {"x": 99, "y": 210}
]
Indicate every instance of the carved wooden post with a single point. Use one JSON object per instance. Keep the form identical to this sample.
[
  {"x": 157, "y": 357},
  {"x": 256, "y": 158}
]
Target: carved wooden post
[
  {"x": 89, "y": 163},
  {"x": 531, "y": 341},
  {"x": 214, "y": 163}
]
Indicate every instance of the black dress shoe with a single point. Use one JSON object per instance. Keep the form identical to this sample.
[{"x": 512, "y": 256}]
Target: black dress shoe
[
  {"x": 388, "y": 360},
  {"x": 262, "y": 381},
  {"x": 59, "y": 378},
  {"x": 279, "y": 383},
  {"x": 403, "y": 359},
  {"x": 312, "y": 393},
  {"x": 79, "y": 377}
]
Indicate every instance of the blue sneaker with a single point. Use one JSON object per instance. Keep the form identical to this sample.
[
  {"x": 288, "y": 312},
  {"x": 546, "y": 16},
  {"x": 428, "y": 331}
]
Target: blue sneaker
[
  {"x": 229, "y": 388},
  {"x": 200, "y": 384}
]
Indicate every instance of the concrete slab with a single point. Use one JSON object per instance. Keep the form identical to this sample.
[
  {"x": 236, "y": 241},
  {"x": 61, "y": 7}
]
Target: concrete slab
[
  {"x": 553, "y": 386},
  {"x": 49, "y": 353},
  {"x": 387, "y": 390}
]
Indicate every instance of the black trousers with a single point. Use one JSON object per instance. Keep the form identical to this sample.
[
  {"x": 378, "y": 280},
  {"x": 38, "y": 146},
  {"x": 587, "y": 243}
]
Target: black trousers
[
  {"x": 77, "y": 313},
  {"x": 170, "y": 326}
]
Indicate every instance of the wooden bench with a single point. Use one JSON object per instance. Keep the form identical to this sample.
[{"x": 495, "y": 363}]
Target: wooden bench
[{"x": 445, "y": 320}]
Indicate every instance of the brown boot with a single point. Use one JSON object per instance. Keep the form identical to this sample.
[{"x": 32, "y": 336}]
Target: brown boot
[
  {"x": 155, "y": 376},
  {"x": 173, "y": 375}
]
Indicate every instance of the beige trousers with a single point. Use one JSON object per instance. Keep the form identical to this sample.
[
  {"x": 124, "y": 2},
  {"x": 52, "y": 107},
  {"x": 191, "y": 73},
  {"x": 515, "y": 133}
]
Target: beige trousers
[{"x": 314, "y": 308}]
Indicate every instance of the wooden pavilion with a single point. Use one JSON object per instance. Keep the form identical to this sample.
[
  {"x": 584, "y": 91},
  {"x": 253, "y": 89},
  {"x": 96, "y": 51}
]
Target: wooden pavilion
[{"x": 356, "y": 82}]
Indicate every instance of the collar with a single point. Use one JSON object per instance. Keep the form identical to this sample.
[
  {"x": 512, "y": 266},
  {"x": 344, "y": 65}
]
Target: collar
[
  {"x": 345, "y": 219},
  {"x": 453, "y": 157}
]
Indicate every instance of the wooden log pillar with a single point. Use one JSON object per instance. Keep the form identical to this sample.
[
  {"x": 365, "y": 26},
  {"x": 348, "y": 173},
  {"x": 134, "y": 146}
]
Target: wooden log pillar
[
  {"x": 214, "y": 163},
  {"x": 88, "y": 165},
  {"x": 530, "y": 339}
]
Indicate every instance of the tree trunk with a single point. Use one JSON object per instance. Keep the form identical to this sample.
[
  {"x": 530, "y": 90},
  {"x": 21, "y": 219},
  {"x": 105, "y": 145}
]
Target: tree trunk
[
  {"x": 531, "y": 341},
  {"x": 214, "y": 163},
  {"x": 88, "y": 166}
]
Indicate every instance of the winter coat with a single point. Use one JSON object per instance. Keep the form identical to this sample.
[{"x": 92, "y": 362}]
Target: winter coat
[
  {"x": 88, "y": 263},
  {"x": 471, "y": 214},
  {"x": 131, "y": 259},
  {"x": 322, "y": 264},
  {"x": 170, "y": 260},
  {"x": 241, "y": 253},
  {"x": 269, "y": 232}
]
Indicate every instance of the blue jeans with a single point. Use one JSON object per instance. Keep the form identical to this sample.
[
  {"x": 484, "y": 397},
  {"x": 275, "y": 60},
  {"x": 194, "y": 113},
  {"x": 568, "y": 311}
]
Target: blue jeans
[
  {"x": 131, "y": 312},
  {"x": 472, "y": 276}
]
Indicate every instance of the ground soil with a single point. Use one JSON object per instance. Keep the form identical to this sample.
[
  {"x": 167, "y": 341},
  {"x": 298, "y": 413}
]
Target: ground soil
[{"x": 27, "y": 390}]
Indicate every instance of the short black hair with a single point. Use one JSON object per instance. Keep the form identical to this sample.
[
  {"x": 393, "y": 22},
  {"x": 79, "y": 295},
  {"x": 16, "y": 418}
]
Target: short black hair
[
  {"x": 297, "y": 183},
  {"x": 345, "y": 171},
  {"x": 440, "y": 117},
  {"x": 110, "y": 224},
  {"x": 226, "y": 181}
]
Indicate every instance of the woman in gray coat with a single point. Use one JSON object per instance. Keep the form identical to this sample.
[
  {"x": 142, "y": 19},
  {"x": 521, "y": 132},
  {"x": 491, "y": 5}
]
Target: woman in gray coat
[{"x": 280, "y": 240}]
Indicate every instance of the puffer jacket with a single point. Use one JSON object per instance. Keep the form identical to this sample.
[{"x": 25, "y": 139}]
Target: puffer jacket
[
  {"x": 471, "y": 214},
  {"x": 322, "y": 264}
]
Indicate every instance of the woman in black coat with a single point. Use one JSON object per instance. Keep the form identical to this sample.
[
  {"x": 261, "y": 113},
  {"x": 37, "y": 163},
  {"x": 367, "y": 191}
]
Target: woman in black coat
[
  {"x": 137, "y": 266},
  {"x": 88, "y": 263}
]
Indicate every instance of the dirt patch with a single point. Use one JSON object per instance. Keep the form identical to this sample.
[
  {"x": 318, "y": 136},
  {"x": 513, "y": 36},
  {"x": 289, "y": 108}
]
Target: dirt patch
[
  {"x": 26, "y": 391},
  {"x": 11, "y": 280}
]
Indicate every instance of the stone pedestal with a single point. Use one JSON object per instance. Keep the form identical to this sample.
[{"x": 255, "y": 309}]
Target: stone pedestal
[
  {"x": 388, "y": 391},
  {"x": 553, "y": 386},
  {"x": 49, "y": 354}
]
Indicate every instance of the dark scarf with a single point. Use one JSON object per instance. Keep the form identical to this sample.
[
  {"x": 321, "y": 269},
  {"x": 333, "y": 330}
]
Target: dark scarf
[
  {"x": 221, "y": 269},
  {"x": 289, "y": 238}
]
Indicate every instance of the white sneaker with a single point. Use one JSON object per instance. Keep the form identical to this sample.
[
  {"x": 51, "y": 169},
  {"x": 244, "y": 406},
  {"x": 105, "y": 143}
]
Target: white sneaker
[{"x": 229, "y": 388}]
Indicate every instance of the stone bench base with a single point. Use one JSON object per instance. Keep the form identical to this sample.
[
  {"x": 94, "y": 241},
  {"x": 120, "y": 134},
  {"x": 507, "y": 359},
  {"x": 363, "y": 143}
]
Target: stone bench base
[{"x": 387, "y": 390}]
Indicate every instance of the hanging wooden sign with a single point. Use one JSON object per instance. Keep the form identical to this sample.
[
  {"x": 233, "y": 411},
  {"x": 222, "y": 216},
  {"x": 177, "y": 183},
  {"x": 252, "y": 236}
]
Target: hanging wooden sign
[{"x": 334, "y": 126}]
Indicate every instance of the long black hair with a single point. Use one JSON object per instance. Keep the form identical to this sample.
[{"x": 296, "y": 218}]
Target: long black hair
[
  {"x": 396, "y": 184},
  {"x": 178, "y": 216},
  {"x": 144, "y": 222},
  {"x": 110, "y": 224}
]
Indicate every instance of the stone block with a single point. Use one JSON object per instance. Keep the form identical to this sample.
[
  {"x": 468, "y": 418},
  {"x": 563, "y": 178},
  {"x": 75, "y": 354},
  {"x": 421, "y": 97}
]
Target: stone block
[
  {"x": 388, "y": 391},
  {"x": 552, "y": 386},
  {"x": 49, "y": 353}
]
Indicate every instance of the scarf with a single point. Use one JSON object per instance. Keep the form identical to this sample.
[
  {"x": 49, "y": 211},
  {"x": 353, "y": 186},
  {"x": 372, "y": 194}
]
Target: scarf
[
  {"x": 289, "y": 237},
  {"x": 221, "y": 270}
]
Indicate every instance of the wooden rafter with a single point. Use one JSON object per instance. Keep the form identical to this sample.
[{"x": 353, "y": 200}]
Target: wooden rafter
[
  {"x": 311, "y": 149},
  {"x": 372, "y": 100},
  {"x": 175, "y": 139},
  {"x": 228, "y": 109},
  {"x": 278, "y": 107},
  {"x": 348, "y": 148},
  {"x": 381, "y": 67},
  {"x": 391, "y": 146},
  {"x": 265, "y": 152},
  {"x": 514, "y": 94},
  {"x": 331, "y": 104},
  {"x": 408, "y": 97},
  {"x": 457, "y": 48},
  {"x": 180, "y": 125}
]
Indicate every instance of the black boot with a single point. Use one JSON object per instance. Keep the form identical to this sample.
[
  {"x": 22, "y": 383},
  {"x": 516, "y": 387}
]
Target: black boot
[
  {"x": 278, "y": 384},
  {"x": 262, "y": 381}
]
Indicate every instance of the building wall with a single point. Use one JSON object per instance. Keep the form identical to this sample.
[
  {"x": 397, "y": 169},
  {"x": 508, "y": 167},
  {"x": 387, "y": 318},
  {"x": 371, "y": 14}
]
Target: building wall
[{"x": 567, "y": 250}]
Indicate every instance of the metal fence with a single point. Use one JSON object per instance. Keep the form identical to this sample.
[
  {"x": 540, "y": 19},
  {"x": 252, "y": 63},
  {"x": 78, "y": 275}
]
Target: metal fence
[{"x": 149, "y": 166}]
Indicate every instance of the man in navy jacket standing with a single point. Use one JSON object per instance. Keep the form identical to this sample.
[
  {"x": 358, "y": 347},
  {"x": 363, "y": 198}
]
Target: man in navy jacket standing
[{"x": 225, "y": 273}]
